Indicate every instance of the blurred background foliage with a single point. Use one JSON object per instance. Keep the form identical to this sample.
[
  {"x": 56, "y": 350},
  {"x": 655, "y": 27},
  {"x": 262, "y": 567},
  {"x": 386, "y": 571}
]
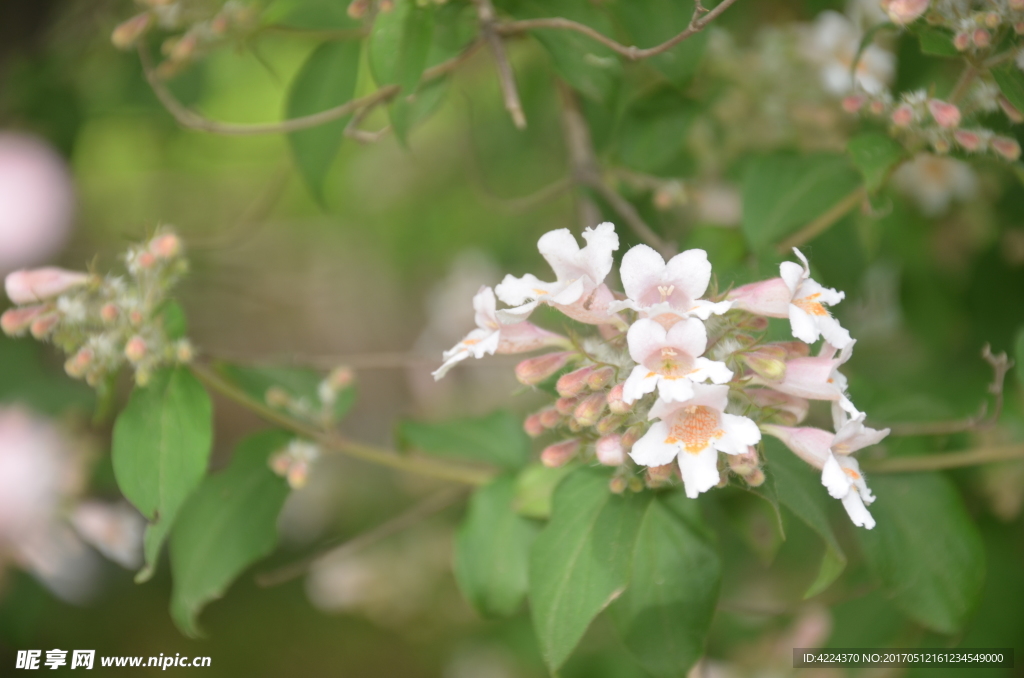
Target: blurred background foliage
[{"x": 370, "y": 269}]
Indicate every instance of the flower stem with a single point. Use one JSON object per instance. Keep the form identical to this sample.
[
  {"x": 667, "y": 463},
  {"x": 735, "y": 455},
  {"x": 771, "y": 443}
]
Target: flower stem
[{"x": 935, "y": 462}]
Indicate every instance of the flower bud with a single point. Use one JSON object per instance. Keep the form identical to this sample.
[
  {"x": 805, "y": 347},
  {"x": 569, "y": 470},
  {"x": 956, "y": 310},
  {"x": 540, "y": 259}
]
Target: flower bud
[
  {"x": 632, "y": 434},
  {"x": 746, "y": 463},
  {"x": 136, "y": 318},
  {"x": 854, "y": 103},
  {"x": 220, "y": 24},
  {"x": 794, "y": 349},
  {"x": 559, "y": 454},
  {"x": 1006, "y": 147},
  {"x": 565, "y": 406},
  {"x": 1018, "y": 28},
  {"x": 44, "y": 325},
  {"x": 616, "y": 405},
  {"x": 533, "y": 371},
  {"x": 590, "y": 409},
  {"x": 135, "y": 350},
  {"x": 574, "y": 383},
  {"x": 617, "y": 485},
  {"x": 128, "y": 33},
  {"x": 961, "y": 41},
  {"x": 969, "y": 141},
  {"x": 38, "y": 284},
  {"x": 610, "y": 423},
  {"x": 992, "y": 20},
  {"x": 145, "y": 260},
  {"x": 279, "y": 463},
  {"x": 573, "y": 425},
  {"x": 183, "y": 49},
  {"x": 341, "y": 378},
  {"x": 903, "y": 115},
  {"x": 755, "y": 479},
  {"x": 15, "y": 321},
  {"x": 635, "y": 484},
  {"x": 766, "y": 361},
  {"x": 183, "y": 351},
  {"x": 532, "y": 426},
  {"x": 946, "y": 115},
  {"x": 659, "y": 476},
  {"x": 903, "y": 12},
  {"x": 77, "y": 365},
  {"x": 609, "y": 450},
  {"x": 1010, "y": 110},
  {"x": 940, "y": 146},
  {"x": 165, "y": 246},
  {"x": 877, "y": 107},
  {"x": 1017, "y": 5},
  {"x": 357, "y": 9},
  {"x": 600, "y": 378},
  {"x": 298, "y": 474},
  {"x": 549, "y": 417},
  {"x": 109, "y": 313},
  {"x": 982, "y": 38}
]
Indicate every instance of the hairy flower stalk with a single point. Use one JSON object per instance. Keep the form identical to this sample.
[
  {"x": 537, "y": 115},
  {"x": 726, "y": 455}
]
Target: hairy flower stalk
[{"x": 675, "y": 380}]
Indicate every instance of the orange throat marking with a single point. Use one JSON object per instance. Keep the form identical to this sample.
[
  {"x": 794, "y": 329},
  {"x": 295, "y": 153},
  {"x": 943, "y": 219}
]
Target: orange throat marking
[
  {"x": 810, "y": 306},
  {"x": 694, "y": 427}
]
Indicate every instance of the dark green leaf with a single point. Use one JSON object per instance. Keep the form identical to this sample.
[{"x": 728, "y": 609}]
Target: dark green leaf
[
  {"x": 327, "y": 79},
  {"x": 496, "y": 438},
  {"x": 1011, "y": 83},
  {"x": 28, "y": 380},
  {"x": 228, "y": 524},
  {"x": 925, "y": 549},
  {"x": 875, "y": 155},
  {"x": 492, "y": 550},
  {"x": 937, "y": 41},
  {"x": 666, "y": 610},
  {"x": 1018, "y": 356},
  {"x": 535, "y": 486},
  {"x": 783, "y": 192},
  {"x": 161, "y": 447},
  {"x": 580, "y": 561},
  {"x": 652, "y": 22},
  {"x": 653, "y": 131}
]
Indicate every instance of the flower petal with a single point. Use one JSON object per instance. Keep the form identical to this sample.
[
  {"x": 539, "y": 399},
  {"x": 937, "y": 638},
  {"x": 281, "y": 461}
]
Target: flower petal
[
  {"x": 638, "y": 384},
  {"x": 515, "y": 291},
  {"x": 674, "y": 390},
  {"x": 644, "y": 337},
  {"x": 641, "y": 269},
  {"x": 803, "y": 325},
  {"x": 858, "y": 513},
  {"x": 740, "y": 433},
  {"x": 834, "y": 479},
  {"x": 651, "y": 449},
  {"x": 699, "y": 471},
  {"x": 689, "y": 335},
  {"x": 689, "y": 272},
  {"x": 714, "y": 370}
]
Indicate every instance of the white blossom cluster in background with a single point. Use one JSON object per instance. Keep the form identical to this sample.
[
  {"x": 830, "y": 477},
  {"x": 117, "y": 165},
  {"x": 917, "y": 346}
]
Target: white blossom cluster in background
[
  {"x": 673, "y": 376},
  {"x": 102, "y": 322}
]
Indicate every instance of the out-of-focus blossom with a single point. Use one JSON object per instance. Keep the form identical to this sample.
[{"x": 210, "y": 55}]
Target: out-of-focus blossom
[
  {"x": 832, "y": 43},
  {"x": 903, "y": 12},
  {"x": 115, "y": 530},
  {"x": 934, "y": 182}
]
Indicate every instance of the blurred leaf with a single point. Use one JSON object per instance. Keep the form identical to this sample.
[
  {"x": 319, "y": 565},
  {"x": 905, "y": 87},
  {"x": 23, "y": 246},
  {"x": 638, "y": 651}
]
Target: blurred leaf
[
  {"x": 783, "y": 192},
  {"x": 160, "y": 448},
  {"x": 925, "y": 549},
  {"x": 937, "y": 41},
  {"x": 653, "y": 130},
  {"x": 492, "y": 550},
  {"x": 27, "y": 380},
  {"x": 580, "y": 561},
  {"x": 229, "y": 523},
  {"x": 300, "y": 383},
  {"x": 652, "y": 22},
  {"x": 315, "y": 15},
  {"x": 172, "y": 315},
  {"x": 327, "y": 79},
  {"x": 666, "y": 611},
  {"x": 800, "y": 490},
  {"x": 399, "y": 44},
  {"x": 1018, "y": 356},
  {"x": 875, "y": 154},
  {"x": 496, "y": 438},
  {"x": 1011, "y": 83},
  {"x": 535, "y": 486},
  {"x": 405, "y": 112}
]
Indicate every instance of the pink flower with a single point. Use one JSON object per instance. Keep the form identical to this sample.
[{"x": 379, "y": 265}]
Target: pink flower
[
  {"x": 903, "y": 12},
  {"x": 668, "y": 360},
  {"x": 693, "y": 432},
  {"x": 39, "y": 284},
  {"x": 816, "y": 378},
  {"x": 945, "y": 114},
  {"x": 677, "y": 286},
  {"x": 791, "y": 409}
]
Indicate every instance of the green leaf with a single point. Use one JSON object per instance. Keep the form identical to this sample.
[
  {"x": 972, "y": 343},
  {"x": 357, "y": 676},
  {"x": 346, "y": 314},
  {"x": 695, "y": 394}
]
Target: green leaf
[
  {"x": 228, "y": 524},
  {"x": 1018, "y": 356},
  {"x": 300, "y": 383},
  {"x": 327, "y": 79},
  {"x": 28, "y": 380},
  {"x": 315, "y": 15},
  {"x": 652, "y": 22},
  {"x": 875, "y": 155},
  {"x": 666, "y": 611},
  {"x": 925, "y": 549},
  {"x": 496, "y": 438},
  {"x": 937, "y": 42},
  {"x": 580, "y": 561},
  {"x": 535, "y": 485},
  {"x": 1011, "y": 83},
  {"x": 492, "y": 550},
  {"x": 653, "y": 131},
  {"x": 800, "y": 490},
  {"x": 174, "y": 321},
  {"x": 161, "y": 446},
  {"x": 783, "y": 192},
  {"x": 399, "y": 44}
]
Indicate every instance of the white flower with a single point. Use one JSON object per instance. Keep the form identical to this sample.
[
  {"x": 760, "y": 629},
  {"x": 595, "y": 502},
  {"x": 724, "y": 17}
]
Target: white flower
[
  {"x": 832, "y": 43},
  {"x": 578, "y": 290},
  {"x": 496, "y": 332},
  {"x": 693, "y": 432},
  {"x": 669, "y": 360},
  {"x": 651, "y": 284},
  {"x": 934, "y": 182}
]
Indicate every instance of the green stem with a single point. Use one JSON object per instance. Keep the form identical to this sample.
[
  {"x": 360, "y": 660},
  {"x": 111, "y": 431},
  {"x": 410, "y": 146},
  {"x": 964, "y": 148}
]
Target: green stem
[
  {"x": 936, "y": 462},
  {"x": 823, "y": 222}
]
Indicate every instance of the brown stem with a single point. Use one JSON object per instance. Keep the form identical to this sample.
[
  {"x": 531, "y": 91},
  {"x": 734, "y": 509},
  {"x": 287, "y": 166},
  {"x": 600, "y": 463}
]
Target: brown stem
[
  {"x": 823, "y": 222},
  {"x": 966, "y": 78},
  {"x": 936, "y": 462},
  {"x": 506, "y": 76}
]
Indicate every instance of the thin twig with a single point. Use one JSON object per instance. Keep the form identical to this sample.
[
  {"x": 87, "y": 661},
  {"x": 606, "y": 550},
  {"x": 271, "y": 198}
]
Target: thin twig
[
  {"x": 700, "y": 19},
  {"x": 333, "y": 549},
  {"x": 966, "y": 78},
  {"x": 426, "y": 466},
  {"x": 192, "y": 120},
  {"x": 352, "y": 130},
  {"x": 506, "y": 76},
  {"x": 823, "y": 222},
  {"x": 946, "y": 460}
]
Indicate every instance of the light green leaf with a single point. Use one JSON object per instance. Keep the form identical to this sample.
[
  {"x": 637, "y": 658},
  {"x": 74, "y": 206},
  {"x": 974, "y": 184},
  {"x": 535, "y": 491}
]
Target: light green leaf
[
  {"x": 937, "y": 42},
  {"x": 496, "y": 438},
  {"x": 535, "y": 486},
  {"x": 783, "y": 192},
  {"x": 492, "y": 550},
  {"x": 229, "y": 523},
  {"x": 1011, "y": 83},
  {"x": 327, "y": 79},
  {"x": 399, "y": 44},
  {"x": 925, "y": 549},
  {"x": 875, "y": 155},
  {"x": 580, "y": 561},
  {"x": 314, "y": 15},
  {"x": 161, "y": 446},
  {"x": 172, "y": 315},
  {"x": 652, "y": 22},
  {"x": 666, "y": 611}
]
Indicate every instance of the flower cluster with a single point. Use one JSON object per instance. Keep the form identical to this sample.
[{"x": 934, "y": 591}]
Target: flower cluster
[
  {"x": 102, "y": 322},
  {"x": 976, "y": 26},
  {"x": 674, "y": 375}
]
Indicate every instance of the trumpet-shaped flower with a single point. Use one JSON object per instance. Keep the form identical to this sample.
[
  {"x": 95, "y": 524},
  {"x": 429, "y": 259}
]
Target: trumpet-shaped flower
[
  {"x": 40, "y": 284},
  {"x": 496, "y": 332},
  {"x": 650, "y": 283},
  {"x": 815, "y": 377},
  {"x": 669, "y": 360},
  {"x": 796, "y": 296},
  {"x": 693, "y": 432},
  {"x": 578, "y": 290}
]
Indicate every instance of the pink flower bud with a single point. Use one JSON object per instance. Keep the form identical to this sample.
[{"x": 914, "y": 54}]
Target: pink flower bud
[
  {"x": 961, "y": 41},
  {"x": 877, "y": 107},
  {"x": 341, "y": 378},
  {"x": 969, "y": 141},
  {"x": 184, "y": 48},
  {"x": 992, "y": 20},
  {"x": 128, "y": 33},
  {"x": 15, "y": 321},
  {"x": 766, "y": 361},
  {"x": 632, "y": 434},
  {"x": 746, "y": 463},
  {"x": 135, "y": 349},
  {"x": 903, "y": 115},
  {"x": 945, "y": 114},
  {"x": 109, "y": 313},
  {"x": 940, "y": 146},
  {"x": 609, "y": 450},
  {"x": 146, "y": 260},
  {"x": 357, "y": 9},
  {"x": 559, "y": 454},
  {"x": 768, "y": 298},
  {"x": 609, "y": 423},
  {"x": 1006, "y": 147},
  {"x": 659, "y": 476},
  {"x": 600, "y": 378},
  {"x": 903, "y": 12},
  {"x": 535, "y": 370},
  {"x": 165, "y": 246},
  {"x": 982, "y": 38},
  {"x": 532, "y": 426},
  {"x": 616, "y": 405},
  {"x": 1017, "y": 5},
  {"x": 40, "y": 284},
  {"x": 617, "y": 485},
  {"x": 44, "y": 325},
  {"x": 77, "y": 365},
  {"x": 854, "y": 103},
  {"x": 136, "y": 318},
  {"x": 565, "y": 406},
  {"x": 298, "y": 474},
  {"x": 794, "y": 349},
  {"x": 1010, "y": 110},
  {"x": 550, "y": 417},
  {"x": 574, "y": 383},
  {"x": 1018, "y": 28},
  {"x": 755, "y": 478},
  {"x": 590, "y": 409},
  {"x": 279, "y": 463}
]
